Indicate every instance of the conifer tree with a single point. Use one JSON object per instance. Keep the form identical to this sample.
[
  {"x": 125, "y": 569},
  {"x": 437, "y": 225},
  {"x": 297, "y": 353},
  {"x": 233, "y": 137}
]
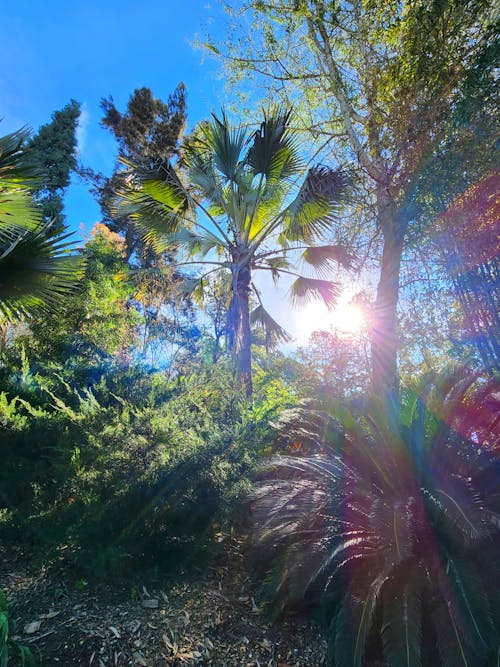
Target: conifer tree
[{"x": 52, "y": 152}]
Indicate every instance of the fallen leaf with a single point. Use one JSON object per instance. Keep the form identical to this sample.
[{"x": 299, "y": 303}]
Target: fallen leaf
[
  {"x": 151, "y": 603},
  {"x": 31, "y": 628},
  {"x": 139, "y": 659},
  {"x": 115, "y": 632}
]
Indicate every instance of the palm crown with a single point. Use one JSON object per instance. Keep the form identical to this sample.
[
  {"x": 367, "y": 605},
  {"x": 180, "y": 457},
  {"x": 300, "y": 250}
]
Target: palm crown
[{"x": 240, "y": 211}]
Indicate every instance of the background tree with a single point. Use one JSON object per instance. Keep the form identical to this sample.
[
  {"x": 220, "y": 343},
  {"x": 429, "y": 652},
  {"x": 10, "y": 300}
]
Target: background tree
[
  {"x": 467, "y": 237},
  {"x": 52, "y": 152},
  {"x": 336, "y": 364},
  {"x": 241, "y": 183},
  {"x": 148, "y": 133},
  {"x": 100, "y": 323},
  {"x": 393, "y": 100}
]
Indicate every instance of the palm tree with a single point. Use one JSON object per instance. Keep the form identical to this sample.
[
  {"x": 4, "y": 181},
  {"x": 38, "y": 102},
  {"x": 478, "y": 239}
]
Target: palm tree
[
  {"x": 241, "y": 210},
  {"x": 394, "y": 527},
  {"x": 36, "y": 269}
]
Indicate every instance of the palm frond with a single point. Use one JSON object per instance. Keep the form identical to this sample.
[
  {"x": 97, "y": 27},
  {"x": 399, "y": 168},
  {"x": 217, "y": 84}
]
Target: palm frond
[
  {"x": 402, "y": 624},
  {"x": 470, "y": 599},
  {"x": 196, "y": 243},
  {"x": 322, "y": 257},
  {"x": 37, "y": 269},
  {"x": 273, "y": 264},
  {"x": 156, "y": 201},
  {"x": 305, "y": 290},
  {"x": 274, "y": 332},
  {"x": 274, "y": 151},
  {"x": 191, "y": 288},
  {"x": 354, "y": 621},
  {"x": 318, "y": 204},
  {"x": 224, "y": 145},
  {"x": 18, "y": 211}
]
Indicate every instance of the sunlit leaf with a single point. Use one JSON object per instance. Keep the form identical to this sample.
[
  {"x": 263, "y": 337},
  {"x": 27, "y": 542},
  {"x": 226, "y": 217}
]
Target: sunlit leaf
[{"x": 304, "y": 290}]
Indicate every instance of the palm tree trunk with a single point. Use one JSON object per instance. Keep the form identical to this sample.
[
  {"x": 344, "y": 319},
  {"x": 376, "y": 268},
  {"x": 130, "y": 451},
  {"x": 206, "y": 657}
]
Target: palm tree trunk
[
  {"x": 383, "y": 336},
  {"x": 243, "y": 339}
]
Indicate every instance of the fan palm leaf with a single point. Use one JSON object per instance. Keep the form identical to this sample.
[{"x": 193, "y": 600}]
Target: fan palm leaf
[{"x": 37, "y": 268}]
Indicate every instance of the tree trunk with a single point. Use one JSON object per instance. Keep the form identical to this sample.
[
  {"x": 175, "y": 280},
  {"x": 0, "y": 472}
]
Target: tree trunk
[
  {"x": 243, "y": 338},
  {"x": 383, "y": 336}
]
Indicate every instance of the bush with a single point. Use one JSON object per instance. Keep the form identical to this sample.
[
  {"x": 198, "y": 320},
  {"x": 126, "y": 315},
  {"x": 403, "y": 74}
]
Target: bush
[{"x": 107, "y": 482}]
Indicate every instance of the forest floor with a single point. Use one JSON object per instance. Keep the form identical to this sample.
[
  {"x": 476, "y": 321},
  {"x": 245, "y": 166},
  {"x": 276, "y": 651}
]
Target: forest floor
[{"x": 211, "y": 619}]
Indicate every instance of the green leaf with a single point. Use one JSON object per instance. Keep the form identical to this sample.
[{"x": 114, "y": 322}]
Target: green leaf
[
  {"x": 322, "y": 257},
  {"x": 354, "y": 620},
  {"x": 274, "y": 150},
  {"x": 402, "y": 624},
  {"x": 37, "y": 269},
  {"x": 318, "y": 204},
  {"x": 305, "y": 290},
  {"x": 196, "y": 243},
  {"x": 275, "y": 333}
]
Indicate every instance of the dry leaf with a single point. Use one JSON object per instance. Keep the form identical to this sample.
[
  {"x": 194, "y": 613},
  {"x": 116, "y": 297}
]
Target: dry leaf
[
  {"x": 151, "y": 603},
  {"x": 139, "y": 659},
  {"x": 31, "y": 628}
]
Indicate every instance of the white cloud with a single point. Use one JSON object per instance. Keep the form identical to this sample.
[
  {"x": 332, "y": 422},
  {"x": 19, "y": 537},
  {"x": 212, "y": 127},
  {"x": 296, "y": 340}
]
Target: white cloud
[{"x": 81, "y": 130}]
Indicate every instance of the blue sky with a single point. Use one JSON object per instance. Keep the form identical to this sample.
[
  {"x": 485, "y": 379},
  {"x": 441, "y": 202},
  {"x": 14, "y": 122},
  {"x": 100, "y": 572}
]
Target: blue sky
[{"x": 54, "y": 51}]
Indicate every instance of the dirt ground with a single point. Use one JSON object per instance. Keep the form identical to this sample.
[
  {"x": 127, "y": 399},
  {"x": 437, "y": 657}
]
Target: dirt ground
[{"x": 210, "y": 619}]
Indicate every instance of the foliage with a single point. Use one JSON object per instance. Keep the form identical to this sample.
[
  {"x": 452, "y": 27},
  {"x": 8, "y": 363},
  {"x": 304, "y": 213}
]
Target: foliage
[
  {"x": 52, "y": 153},
  {"x": 392, "y": 524},
  {"x": 6, "y": 642},
  {"x": 418, "y": 115},
  {"x": 98, "y": 323},
  {"x": 335, "y": 364},
  {"x": 242, "y": 184},
  {"x": 36, "y": 266},
  {"x": 148, "y": 133},
  {"x": 466, "y": 235},
  {"x": 108, "y": 483}
]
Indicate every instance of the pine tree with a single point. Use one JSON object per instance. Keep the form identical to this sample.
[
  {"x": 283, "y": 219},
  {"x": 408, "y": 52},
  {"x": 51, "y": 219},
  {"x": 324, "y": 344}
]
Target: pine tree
[{"x": 148, "y": 133}]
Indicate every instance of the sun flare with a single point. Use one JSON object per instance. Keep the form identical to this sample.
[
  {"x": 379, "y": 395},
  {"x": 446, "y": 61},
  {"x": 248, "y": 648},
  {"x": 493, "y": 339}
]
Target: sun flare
[{"x": 346, "y": 318}]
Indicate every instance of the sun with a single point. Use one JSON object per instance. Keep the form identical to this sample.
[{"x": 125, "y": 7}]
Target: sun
[{"x": 345, "y": 318}]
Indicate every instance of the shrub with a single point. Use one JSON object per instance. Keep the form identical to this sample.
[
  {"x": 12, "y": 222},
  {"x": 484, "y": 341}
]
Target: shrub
[{"x": 108, "y": 482}]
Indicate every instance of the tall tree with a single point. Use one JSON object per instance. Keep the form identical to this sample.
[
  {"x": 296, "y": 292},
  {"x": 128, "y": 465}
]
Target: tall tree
[
  {"x": 148, "y": 133},
  {"x": 52, "y": 152},
  {"x": 384, "y": 78},
  {"x": 254, "y": 216}
]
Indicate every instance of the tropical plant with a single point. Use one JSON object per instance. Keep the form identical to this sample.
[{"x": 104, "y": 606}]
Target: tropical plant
[
  {"x": 24, "y": 654},
  {"x": 393, "y": 527},
  {"x": 253, "y": 216},
  {"x": 36, "y": 268}
]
